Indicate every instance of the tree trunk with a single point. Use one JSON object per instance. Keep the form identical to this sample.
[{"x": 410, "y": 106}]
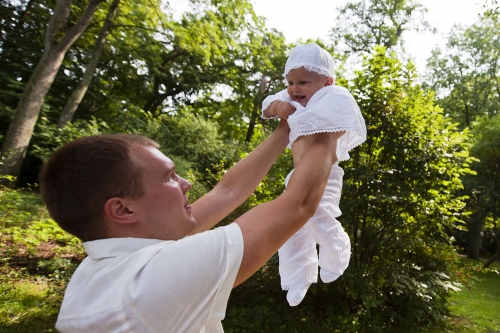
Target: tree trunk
[
  {"x": 256, "y": 107},
  {"x": 466, "y": 109},
  {"x": 57, "y": 43},
  {"x": 497, "y": 253},
  {"x": 81, "y": 89},
  {"x": 495, "y": 235},
  {"x": 475, "y": 228}
]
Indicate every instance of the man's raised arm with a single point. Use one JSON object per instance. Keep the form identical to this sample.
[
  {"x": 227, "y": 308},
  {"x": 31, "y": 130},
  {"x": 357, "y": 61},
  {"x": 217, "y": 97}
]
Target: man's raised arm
[
  {"x": 266, "y": 228},
  {"x": 239, "y": 182}
]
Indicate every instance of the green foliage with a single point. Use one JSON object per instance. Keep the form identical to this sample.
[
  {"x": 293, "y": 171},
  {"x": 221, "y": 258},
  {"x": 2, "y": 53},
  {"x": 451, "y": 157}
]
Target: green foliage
[
  {"x": 21, "y": 48},
  {"x": 48, "y": 137},
  {"x": 466, "y": 74},
  {"x": 36, "y": 260},
  {"x": 24, "y": 307},
  {"x": 210, "y": 62},
  {"x": 363, "y": 24},
  {"x": 192, "y": 142},
  {"x": 400, "y": 196},
  {"x": 492, "y": 8},
  {"x": 466, "y": 80},
  {"x": 484, "y": 189},
  {"x": 25, "y": 225}
]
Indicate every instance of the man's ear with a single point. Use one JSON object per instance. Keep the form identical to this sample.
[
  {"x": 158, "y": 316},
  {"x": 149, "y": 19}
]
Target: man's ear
[
  {"x": 329, "y": 81},
  {"x": 120, "y": 210}
]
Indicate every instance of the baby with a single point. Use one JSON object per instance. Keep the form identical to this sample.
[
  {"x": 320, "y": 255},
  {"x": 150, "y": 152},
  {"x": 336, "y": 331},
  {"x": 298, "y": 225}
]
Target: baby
[{"x": 313, "y": 104}]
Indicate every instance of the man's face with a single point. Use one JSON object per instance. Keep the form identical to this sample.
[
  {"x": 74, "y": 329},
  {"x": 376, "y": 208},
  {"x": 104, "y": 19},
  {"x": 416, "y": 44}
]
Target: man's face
[
  {"x": 165, "y": 206},
  {"x": 303, "y": 84}
]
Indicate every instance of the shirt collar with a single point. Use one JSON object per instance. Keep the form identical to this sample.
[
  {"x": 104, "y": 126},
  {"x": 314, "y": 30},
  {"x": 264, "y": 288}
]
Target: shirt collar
[{"x": 114, "y": 247}]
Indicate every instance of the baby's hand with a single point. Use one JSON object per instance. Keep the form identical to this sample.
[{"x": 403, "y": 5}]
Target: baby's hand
[{"x": 284, "y": 109}]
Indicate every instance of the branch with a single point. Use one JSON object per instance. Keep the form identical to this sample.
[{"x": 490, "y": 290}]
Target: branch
[
  {"x": 75, "y": 31},
  {"x": 57, "y": 21}
]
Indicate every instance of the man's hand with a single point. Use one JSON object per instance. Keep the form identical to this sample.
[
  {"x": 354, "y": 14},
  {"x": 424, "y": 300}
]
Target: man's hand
[
  {"x": 284, "y": 109},
  {"x": 281, "y": 109}
]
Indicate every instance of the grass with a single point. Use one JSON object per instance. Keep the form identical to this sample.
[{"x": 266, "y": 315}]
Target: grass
[
  {"x": 477, "y": 310},
  {"x": 24, "y": 307},
  {"x": 36, "y": 259}
]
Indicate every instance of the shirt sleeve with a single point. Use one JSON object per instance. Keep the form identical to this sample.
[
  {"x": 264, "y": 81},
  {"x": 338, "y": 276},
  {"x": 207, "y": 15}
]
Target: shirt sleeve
[{"x": 187, "y": 284}]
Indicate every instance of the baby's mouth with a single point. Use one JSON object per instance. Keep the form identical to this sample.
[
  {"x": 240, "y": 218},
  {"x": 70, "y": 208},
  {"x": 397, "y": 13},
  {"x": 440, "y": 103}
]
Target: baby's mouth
[{"x": 301, "y": 100}]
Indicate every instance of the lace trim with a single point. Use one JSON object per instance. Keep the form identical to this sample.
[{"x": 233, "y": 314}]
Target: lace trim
[
  {"x": 334, "y": 130},
  {"x": 310, "y": 69},
  {"x": 301, "y": 283}
]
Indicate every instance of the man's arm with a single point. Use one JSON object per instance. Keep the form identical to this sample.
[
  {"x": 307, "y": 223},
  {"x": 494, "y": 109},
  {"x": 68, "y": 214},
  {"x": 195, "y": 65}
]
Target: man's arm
[
  {"x": 266, "y": 228},
  {"x": 239, "y": 182}
]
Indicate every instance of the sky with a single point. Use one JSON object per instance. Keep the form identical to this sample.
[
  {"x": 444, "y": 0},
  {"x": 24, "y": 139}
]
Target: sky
[{"x": 314, "y": 18}]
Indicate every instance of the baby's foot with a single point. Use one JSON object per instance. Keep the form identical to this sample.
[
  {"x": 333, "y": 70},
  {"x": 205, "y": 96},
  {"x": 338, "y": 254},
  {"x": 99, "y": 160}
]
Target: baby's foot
[
  {"x": 328, "y": 277},
  {"x": 296, "y": 295}
]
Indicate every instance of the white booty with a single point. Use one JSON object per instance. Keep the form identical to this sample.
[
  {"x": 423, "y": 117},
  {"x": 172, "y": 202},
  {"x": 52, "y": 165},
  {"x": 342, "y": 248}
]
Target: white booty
[
  {"x": 296, "y": 295},
  {"x": 328, "y": 277}
]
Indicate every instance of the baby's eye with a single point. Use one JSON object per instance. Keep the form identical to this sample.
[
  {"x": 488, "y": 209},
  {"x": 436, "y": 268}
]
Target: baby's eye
[{"x": 303, "y": 82}]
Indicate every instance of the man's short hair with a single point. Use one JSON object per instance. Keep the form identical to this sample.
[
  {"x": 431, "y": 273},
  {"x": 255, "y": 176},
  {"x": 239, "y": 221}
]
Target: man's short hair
[{"x": 78, "y": 179}]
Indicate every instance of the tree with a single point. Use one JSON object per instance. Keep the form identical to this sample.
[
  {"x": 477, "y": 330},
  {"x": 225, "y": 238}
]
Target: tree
[
  {"x": 203, "y": 49},
  {"x": 58, "y": 39},
  {"x": 121, "y": 82},
  {"x": 401, "y": 193},
  {"x": 492, "y": 8},
  {"x": 151, "y": 60},
  {"x": 216, "y": 62},
  {"x": 362, "y": 25},
  {"x": 21, "y": 47},
  {"x": 486, "y": 185},
  {"x": 15, "y": 19},
  {"x": 80, "y": 90},
  {"x": 467, "y": 79},
  {"x": 467, "y": 75}
]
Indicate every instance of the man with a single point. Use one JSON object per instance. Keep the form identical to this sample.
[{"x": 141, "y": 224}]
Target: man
[{"x": 151, "y": 267}]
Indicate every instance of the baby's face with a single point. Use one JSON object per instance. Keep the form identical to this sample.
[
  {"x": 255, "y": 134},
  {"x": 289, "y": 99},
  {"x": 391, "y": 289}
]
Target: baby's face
[{"x": 303, "y": 84}]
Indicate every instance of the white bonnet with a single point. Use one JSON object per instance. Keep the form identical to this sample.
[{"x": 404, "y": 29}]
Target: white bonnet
[{"x": 312, "y": 57}]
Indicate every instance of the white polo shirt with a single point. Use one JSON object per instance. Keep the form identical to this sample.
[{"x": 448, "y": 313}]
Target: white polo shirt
[{"x": 148, "y": 285}]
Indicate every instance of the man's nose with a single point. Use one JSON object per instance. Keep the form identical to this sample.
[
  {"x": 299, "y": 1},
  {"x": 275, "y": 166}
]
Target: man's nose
[{"x": 185, "y": 185}]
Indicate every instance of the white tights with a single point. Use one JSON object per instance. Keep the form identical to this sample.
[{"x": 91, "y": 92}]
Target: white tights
[{"x": 298, "y": 257}]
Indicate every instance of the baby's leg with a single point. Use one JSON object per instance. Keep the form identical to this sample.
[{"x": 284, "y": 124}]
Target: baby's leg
[
  {"x": 334, "y": 244},
  {"x": 298, "y": 266}
]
